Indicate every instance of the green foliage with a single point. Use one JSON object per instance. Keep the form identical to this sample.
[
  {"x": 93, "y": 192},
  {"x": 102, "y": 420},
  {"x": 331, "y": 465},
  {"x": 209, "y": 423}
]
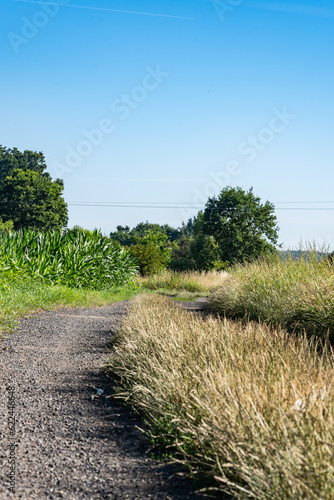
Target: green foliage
[
  {"x": 182, "y": 257},
  {"x": 197, "y": 251},
  {"x": 32, "y": 200},
  {"x": 28, "y": 196},
  {"x": 242, "y": 227},
  {"x": 78, "y": 258},
  {"x": 152, "y": 252},
  {"x": 204, "y": 248},
  {"x": 127, "y": 237},
  {"x": 12, "y": 159},
  {"x": 6, "y": 226},
  {"x": 173, "y": 250}
]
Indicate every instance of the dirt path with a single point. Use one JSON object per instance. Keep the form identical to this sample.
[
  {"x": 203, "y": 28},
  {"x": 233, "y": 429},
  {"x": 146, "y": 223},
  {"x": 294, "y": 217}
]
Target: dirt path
[{"x": 63, "y": 443}]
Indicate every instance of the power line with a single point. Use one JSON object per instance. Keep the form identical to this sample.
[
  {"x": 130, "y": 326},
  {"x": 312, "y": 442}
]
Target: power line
[
  {"x": 174, "y": 205},
  {"x": 294, "y": 202},
  {"x": 184, "y": 206},
  {"x": 133, "y": 206},
  {"x": 185, "y": 202},
  {"x": 305, "y": 208}
]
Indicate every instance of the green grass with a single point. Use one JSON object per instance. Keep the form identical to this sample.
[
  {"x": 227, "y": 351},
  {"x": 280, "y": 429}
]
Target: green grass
[
  {"x": 21, "y": 295},
  {"x": 297, "y": 294}
]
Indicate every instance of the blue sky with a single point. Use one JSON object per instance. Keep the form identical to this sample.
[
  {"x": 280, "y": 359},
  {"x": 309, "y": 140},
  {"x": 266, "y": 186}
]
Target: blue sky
[{"x": 138, "y": 102}]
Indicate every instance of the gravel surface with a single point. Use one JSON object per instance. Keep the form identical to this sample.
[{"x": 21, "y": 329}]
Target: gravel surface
[{"x": 64, "y": 443}]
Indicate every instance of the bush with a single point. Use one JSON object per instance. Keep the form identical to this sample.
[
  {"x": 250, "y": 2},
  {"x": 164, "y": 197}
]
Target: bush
[
  {"x": 152, "y": 252},
  {"x": 182, "y": 258},
  {"x": 148, "y": 258},
  {"x": 6, "y": 226}
]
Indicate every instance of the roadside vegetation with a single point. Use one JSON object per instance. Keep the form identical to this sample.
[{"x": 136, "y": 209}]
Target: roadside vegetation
[
  {"x": 184, "y": 285},
  {"x": 72, "y": 268},
  {"x": 21, "y": 295},
  {"x": 296, "y": 293},
  {"x": 244, "y": 396},
  {"x": 234, "y": 226},
  {"x": 245, "y": 405}
]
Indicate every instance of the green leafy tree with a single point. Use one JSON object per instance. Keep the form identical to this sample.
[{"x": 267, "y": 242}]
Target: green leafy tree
[
  {"x": 123, "y": 236},
  {"x": 32, "y": 200},
  {"x": 126, "y": 236},
  {"x": 204, "y": 248},
  {"x": 241, "y": 225},
  {"x": 176, "y": 242},
  {"x": 196, "y": 250},
  {"x": 11, "y": 159},
  {"x": 182, "y": 258}
]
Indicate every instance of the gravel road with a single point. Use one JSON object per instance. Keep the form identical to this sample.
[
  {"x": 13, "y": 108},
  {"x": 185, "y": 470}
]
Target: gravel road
[{"x": 62, "y": 443}]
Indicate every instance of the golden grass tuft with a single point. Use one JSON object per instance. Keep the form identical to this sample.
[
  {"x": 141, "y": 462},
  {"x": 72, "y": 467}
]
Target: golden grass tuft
[
  {"x": 246, "y": 405},
  {"x": 190, "y": 282},
  {"x": 297, "y": 294}
]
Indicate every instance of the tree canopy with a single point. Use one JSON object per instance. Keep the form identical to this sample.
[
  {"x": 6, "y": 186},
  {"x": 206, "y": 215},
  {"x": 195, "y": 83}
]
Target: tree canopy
[
  {"x": 126, "y": 236},
  {"x": 32, "y": 200},
  {"x": 242, "y": 226},
  {"x": 28, "y": 195},
  {"x": 11, "y": 159}
]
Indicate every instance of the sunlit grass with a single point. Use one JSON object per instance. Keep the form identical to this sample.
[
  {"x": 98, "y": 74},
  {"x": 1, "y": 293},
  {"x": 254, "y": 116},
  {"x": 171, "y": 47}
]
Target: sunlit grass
[
  {"x": 297, "y": 294},
  {"x": 250, "y": 407},
  {"x": 184, "y": 284},
  {"x": 20, "y": 295}
]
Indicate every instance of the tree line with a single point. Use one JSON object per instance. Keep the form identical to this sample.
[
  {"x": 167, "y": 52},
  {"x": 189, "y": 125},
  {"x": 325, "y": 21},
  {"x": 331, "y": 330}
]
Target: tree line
[{"x": 234, "y": 226}]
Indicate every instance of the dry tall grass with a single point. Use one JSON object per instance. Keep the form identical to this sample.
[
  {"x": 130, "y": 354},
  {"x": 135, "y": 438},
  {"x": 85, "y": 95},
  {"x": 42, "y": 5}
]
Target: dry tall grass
[
  {"x": 197, "y": 282},
  {"x": 246, "y": 405},
  {"x": 297, "y": 294}
]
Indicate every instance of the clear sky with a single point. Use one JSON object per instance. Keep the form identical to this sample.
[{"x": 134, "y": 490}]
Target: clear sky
[{"x": 136, "y": 103}]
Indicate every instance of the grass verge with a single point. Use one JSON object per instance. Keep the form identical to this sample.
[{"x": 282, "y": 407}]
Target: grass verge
[
  {"x": 186, "y": 285},
  {"x": 20, "y": 295},
  {"x": 246, "y": 406},
  {"x": 297, "y": 294}
]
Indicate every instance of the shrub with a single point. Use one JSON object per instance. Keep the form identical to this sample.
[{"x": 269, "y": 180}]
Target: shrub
[
  {"x": 152, "y": 252},
  {"x": 148, "y": 257}
]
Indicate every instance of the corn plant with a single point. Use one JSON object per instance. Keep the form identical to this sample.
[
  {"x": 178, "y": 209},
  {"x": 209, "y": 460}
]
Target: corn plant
[{"x": 77, "y": 258}]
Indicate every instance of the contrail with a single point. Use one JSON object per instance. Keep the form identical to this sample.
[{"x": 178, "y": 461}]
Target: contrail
[{"x": 108, "y": 10}]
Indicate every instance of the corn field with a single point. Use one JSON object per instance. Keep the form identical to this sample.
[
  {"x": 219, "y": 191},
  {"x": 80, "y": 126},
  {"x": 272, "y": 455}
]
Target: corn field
[{"x": 76, "y": 258}]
